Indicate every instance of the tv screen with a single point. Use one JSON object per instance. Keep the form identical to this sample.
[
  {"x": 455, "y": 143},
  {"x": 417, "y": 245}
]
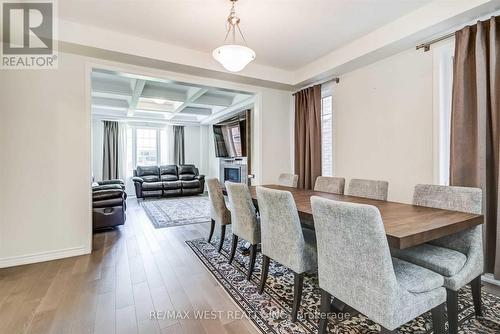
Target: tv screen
[{"x": 230, "y": 139}]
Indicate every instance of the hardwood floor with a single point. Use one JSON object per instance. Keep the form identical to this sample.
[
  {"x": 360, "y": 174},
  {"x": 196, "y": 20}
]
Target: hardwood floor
[{"x": 132, "y": 271}]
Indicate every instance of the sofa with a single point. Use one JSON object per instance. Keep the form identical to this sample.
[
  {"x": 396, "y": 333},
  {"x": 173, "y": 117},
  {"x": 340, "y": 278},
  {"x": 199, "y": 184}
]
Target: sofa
[
  {"x": 109, "y": 203},
  {"x": 168, "y": 180}
]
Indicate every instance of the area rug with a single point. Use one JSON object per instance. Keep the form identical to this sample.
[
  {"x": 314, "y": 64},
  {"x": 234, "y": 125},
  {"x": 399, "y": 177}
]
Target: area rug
[
  {"x": 270, "y": 312},
  {"x": 168, "y": 212}
]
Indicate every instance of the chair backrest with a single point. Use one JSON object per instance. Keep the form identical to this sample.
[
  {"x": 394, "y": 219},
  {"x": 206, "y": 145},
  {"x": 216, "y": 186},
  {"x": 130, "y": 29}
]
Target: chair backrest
[
  {"x": 288, "y": 180},
  {"x": 372, "y": 189},
  {"x": 354, "y": 260},
  {"x": 148, "y": 173},
  {"x": 464, "y": 199},
  {"x": 217, "y": 204},
  {"x": 168, "y": 173},
  {"x": 243, "y": 214},
  {"x": 187, "y": 172},
  {"x": 281, "y": 234},
  {"x": 334, "y": 185}
]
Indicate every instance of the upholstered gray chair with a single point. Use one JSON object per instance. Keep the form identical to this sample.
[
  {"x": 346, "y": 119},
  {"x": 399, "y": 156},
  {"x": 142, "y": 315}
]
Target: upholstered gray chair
[
  {"x": 334, "y": 185},
  {"x": 368, "y": 189},
  {"x": 459, "y": 257},
  {"x": 284, "y": 240},
  {"x": 355, "y": 266},
  {"x": 219, "y": 213},
  {"x": 288, "y": 180},
  {"x": 244, "y": 221}
]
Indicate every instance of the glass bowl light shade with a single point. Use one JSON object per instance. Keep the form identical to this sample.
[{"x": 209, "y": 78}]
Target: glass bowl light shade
[{"x": 234, "y": 57}]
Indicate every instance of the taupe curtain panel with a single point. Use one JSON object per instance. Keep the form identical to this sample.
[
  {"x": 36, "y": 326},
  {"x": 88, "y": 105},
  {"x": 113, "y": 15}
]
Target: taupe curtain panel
[
  {"x": 308, "y": 136},
  {"x": 179, "y": 145},
  {"x": 110, "y": 150},
  {"x": 475, "y": 125}
]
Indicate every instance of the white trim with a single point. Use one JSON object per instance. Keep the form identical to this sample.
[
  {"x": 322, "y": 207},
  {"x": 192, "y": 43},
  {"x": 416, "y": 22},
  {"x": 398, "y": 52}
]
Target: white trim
[
  {"x": 488, "y": 278},
  {"x": 442, "y": 68},
  {"x": 43, "y": 256}
]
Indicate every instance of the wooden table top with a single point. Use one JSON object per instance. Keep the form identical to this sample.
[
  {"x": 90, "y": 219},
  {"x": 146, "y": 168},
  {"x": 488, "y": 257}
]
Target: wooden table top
[{"x": 405, "y": 225}]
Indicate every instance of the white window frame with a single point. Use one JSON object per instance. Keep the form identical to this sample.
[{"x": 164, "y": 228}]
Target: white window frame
[
  {"x": 442, "y": 88},
  {"x": 134, "y": 142},
  {"x": 326, "y": 92}
]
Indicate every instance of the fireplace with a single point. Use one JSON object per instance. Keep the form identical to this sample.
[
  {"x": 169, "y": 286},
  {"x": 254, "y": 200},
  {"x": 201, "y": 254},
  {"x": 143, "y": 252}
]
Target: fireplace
[
  {"x": 232, "y": 174},
  {"x": 233, "y": 170}
]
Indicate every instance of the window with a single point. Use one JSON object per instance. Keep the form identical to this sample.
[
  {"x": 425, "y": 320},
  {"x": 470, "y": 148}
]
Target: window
[
  {"x": 146, "y": 147},
  {"x": 443, "y": 83},
  {"x": 326, "y": 136}
]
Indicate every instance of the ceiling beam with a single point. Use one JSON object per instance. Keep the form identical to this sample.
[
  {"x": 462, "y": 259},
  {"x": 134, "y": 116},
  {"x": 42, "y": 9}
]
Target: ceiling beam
[
  {"x": 193, "y": 95},
  {"x": 139, "y": 86},
  {"x": 229, "y": 111}
]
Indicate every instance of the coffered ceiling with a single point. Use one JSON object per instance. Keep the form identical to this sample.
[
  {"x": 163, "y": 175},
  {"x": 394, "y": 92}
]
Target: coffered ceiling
[{"x": 117, "y": 95}]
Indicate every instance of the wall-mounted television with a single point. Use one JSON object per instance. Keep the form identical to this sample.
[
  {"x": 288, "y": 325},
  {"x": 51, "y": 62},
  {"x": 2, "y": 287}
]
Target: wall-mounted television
[{"x": 230, "y": 138}]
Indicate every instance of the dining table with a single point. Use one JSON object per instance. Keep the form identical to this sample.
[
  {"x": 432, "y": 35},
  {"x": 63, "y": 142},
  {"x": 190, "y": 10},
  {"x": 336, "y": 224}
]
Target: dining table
[{"x": 406, "y": 225}]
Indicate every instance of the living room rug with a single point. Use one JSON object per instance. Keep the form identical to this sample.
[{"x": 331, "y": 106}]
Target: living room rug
[
  {"x": 168, "y": 212},
  {"x": 270, "y": 312}
]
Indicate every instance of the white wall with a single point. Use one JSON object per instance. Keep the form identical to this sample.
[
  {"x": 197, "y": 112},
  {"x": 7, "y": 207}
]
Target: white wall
[
  {"x": 275, "y": 135},
  {"x": 45, "y": 149},
  {"x": 193, "y": 145},
  {"x": 383, "y": 123}
]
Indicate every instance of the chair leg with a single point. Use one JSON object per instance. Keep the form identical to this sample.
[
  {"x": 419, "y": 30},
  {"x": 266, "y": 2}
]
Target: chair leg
[
  {"x": 265, "y": 270},
  {"x": 222, "y": 236},
  {"x": 251, "y": 263},
  {"x": 438, "y": 319},
  {"x": 325, "y": 308},
  {"x": 452, "y": 308},
  {"x": 476, "y": 296},
  {"x": 212, "y": 227},
  {"x": 298, "y": 280},
  {"x": 234, "y": 244}
]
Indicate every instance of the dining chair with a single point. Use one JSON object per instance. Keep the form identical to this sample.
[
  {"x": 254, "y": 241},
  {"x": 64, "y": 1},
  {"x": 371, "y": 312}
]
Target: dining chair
[
  {"x": 284, "y": 240},
  {"x": 355, "y": 267},
  {"x": 334, "y": 185},
  {"x": 288, "y": 180},
  {"x": 244, "y": 221},
  {"x": 219, "y": 212},
  {"x": 372, "y": 189},
  {"x": 458, "y": 257}
]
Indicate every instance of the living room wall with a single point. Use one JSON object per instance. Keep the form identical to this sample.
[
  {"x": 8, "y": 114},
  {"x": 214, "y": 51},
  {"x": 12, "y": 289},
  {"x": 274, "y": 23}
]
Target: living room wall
[{"x": 45, "y": 135}]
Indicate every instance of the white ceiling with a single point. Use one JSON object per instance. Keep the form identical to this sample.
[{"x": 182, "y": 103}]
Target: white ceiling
[
  {"x": 286, "y": 34},
  {"x": 129, "y": 97}
]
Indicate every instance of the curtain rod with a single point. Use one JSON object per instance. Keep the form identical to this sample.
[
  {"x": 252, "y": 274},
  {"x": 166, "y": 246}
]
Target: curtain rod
[
  {"x": 337, "y": 80},
  {"x": 427, "y": 45}
]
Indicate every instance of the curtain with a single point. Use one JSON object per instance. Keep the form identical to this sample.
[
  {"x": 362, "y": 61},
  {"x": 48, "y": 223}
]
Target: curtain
[
  {"x": 178, "y": 145},
  {"x": 308, "y": 136},
  {"x": 110, "y": 158},
  {"x": 122, "y": 151},
  {"x": 475, "y": 122}
]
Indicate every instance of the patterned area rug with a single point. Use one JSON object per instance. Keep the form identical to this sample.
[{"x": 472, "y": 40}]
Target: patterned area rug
[
  {"x": 168, "y": 212},
  {"x": 270, "y": 312}
]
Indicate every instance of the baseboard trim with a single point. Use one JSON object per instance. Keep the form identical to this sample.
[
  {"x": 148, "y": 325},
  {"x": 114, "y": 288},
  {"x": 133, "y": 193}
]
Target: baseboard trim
[
  {"x": 42, "y": 257},
  {"x": 488, "y": 278}
]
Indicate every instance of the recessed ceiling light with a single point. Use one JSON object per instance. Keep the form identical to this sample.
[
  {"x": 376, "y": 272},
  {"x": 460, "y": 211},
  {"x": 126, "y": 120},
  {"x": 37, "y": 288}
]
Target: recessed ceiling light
[{"x": 158, "y": 101}]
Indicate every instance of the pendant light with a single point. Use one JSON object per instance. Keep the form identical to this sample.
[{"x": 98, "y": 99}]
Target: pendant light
[{"x": 232, "y": 56}]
